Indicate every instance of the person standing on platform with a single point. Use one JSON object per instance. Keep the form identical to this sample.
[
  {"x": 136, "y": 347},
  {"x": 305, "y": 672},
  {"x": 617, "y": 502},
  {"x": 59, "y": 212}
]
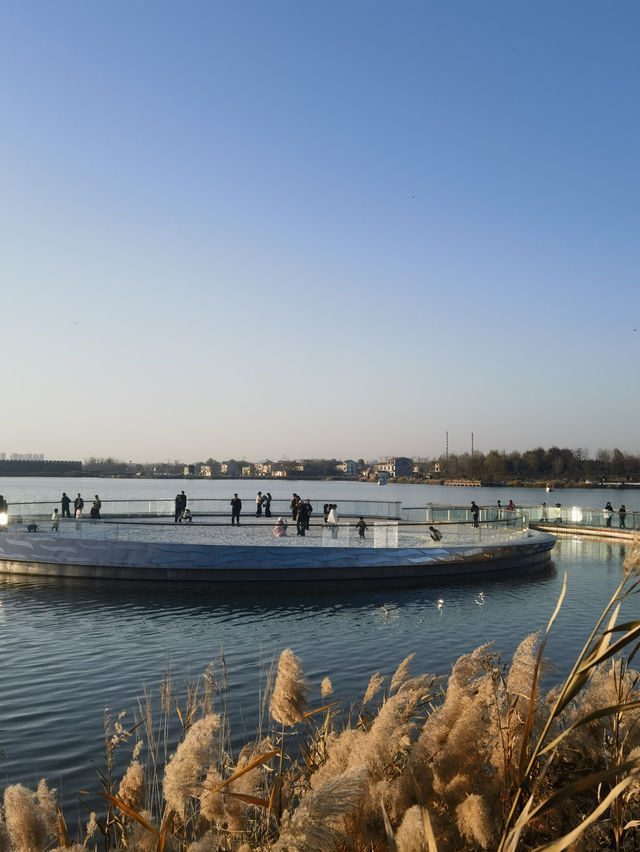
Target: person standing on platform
[
  {"x": 361, "y": 527},
  {"x": 608, "y": 513},
  {"x": 95, "y": 509},
  {"x": 302, "y": 519},
  {"x": 180, "y": 505},
  {"x": 54, "y": 521},
  {"x": 65, "y": 502},
  {"x": 475, "y": 513},
  {"x": 236, "y": 506},
  {"x": 267, "y": 505},
  {"x": 78, "y": 506},
  {"x": 622, "y": 514},
  {"x": 259, "y": 504},
  {"x": 332, "y": 519},
  {"x": 309, "y": 510},
  {"x": 293, "y": 505}
]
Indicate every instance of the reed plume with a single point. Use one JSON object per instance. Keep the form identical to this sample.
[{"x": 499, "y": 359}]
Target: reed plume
[
  {"x": 186, "y": 770},
  {"x": 315, "y": 825},
  {"x": 326, "y": 687},
  {"x": 30, "y": 817},
  {"x": 289, "y": 699}
]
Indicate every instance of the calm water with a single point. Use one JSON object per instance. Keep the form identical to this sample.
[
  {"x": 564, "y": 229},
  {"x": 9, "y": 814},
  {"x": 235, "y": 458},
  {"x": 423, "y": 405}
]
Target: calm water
[{"x": 69, "y": 649}]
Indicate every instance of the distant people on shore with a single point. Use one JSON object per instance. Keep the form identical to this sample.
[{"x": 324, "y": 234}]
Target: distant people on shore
[
  {"x": 475, "y": 513},
  {"x": 54, "y": 521},
  {"x": 622, "y": 515},
  {"x": 280, "y": 528},
  {"x": 236, "y": 507},
  {"x": 361, "y": 526},
  {"x": 180, "y": 504},
  {"x": 65, "y": 502},
  {"x": 608, "y": 513},
  {"x": 94, "y": 512},
  {"x": 78, "y": 506}
]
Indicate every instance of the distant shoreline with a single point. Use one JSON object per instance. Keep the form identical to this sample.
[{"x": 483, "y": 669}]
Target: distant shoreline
[{"x": 512, "y": 483}]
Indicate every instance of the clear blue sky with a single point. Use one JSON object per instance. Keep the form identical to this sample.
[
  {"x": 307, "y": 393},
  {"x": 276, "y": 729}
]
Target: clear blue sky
[{"x": 251, "y": 229}]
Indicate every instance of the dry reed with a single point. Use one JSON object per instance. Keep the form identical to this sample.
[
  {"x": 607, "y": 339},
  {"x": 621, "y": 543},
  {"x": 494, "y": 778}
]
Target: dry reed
[{"x": 480, "y": 761}]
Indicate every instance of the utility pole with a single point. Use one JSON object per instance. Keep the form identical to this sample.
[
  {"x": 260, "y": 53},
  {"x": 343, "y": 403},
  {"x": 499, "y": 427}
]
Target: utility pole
[{"x": 446, "y": 445}]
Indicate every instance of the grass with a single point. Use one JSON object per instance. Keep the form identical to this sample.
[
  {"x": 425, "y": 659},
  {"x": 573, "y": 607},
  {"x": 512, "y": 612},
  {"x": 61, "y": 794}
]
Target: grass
[{"x": 483, "y": 759}]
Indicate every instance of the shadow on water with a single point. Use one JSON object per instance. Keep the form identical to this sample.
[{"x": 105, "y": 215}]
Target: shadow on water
[{"x": 258, "y": 598}]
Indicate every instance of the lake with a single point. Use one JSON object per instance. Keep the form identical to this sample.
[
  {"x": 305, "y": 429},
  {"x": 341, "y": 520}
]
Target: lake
[{"x": 70, "y": 649}]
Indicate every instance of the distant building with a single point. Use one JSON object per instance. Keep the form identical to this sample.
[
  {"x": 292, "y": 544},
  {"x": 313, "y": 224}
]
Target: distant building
[
  {"x": 189, "y": 470},
  {"x": 349, "y": 467},
  {"x": 205, "y": 470},
  {"x": 26, "y": 457},
  {"x": 247, "y": 470},
  {"x": 399, "y": 466},
  {"x": 231, "y": 468},
  {"x": 263, "y": 469}
]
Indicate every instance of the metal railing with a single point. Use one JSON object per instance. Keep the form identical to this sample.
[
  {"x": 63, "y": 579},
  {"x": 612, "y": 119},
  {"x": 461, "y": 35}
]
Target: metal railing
[
  {"x": 208, "y": 530},
  {"x": 574, "y": 516},
  {"x": 210, "y": 507}
]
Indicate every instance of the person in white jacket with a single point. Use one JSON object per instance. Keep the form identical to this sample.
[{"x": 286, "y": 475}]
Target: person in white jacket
[{"x": 332, "y": 519}]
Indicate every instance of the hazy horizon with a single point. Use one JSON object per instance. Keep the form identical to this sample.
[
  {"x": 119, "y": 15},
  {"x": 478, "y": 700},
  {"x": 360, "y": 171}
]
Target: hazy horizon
[{"x": 331, "y": 229}]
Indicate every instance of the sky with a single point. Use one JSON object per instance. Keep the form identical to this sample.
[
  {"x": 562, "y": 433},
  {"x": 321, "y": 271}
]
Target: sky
[{"x": 318, "y": 228}]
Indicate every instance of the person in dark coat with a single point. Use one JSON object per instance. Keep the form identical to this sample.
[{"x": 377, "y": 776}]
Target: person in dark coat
[
  {"x": 302, "y": 518},
  {"x": 361, "y": 527},
  {"x": 267, "y": 505},
  {"x": 475, "y": 513},
  {"x": 608, "y": 513},
  {"x": 180, "y": 506},
  {"x": 293, "y": 505},
  {"x": 259, "y": 504},
  {"x": 622, "y": 514},
  {"x": 95, "y": 509},
  {"x": 65, "y": 502},
  {"x": 236, "y": 506}
]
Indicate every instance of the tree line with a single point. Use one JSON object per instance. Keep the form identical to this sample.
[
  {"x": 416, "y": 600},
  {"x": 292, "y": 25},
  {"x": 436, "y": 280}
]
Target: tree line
[
  {"x": 555, "y": 463},
  {"x": 552, "y": 464}
]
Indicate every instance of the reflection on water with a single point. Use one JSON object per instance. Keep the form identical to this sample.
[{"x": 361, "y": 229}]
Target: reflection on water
[{"x": 70, "y": 648}]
